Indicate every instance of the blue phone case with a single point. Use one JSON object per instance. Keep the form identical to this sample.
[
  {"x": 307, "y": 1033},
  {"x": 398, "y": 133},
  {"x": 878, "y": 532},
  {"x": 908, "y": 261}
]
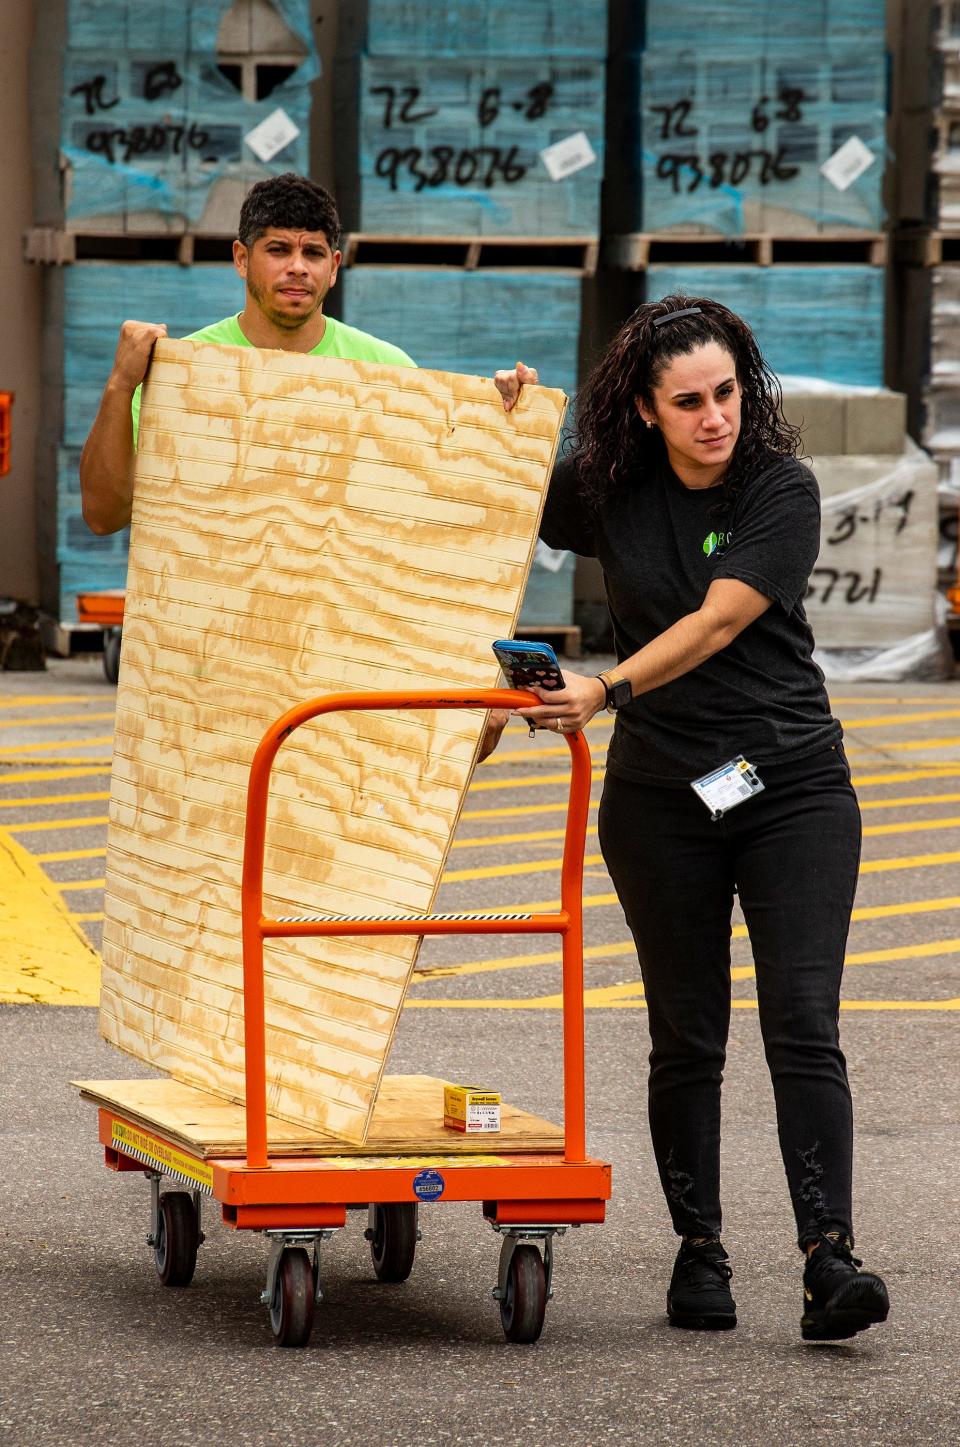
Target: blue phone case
[{"x": 528, "y": 665}]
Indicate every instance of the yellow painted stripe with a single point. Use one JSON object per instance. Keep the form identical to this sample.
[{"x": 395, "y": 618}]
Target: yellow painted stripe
[
  {"x": 912, "y": 826},
  {"x": 81, "y": 884},
  {"x": 86, "y": 918},
  {"x": 42, "y": 826},
  {"x": 44, "y": 958},
  {"x": 41, "y": 700},
  {"x": 598, "y": 1002},
  {"x": 901, "y": 747},
  {"x": 58, "y": 744},
  {"x": 38, "y": 801},
  {"x": 55, "y": 718},
  {"x": 59, "y": 855},
  {"x": 45, "y": 776},
  {"x": 907, "y": 801},
  {"x": 527, "y": 781},
  {"x": 896, "y": 719},
  {"x": 912, "y": 861},
  {"x": 906, "y": 776},
  {"x": 627, "y": 947}
]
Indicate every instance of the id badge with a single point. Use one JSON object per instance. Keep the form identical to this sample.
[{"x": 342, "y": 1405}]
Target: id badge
[{"x": 728, "y": 786}]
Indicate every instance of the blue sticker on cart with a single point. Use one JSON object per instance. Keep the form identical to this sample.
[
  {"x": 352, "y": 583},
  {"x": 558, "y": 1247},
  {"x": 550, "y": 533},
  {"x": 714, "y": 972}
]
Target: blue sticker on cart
[{"x": 428, "y": 1186}]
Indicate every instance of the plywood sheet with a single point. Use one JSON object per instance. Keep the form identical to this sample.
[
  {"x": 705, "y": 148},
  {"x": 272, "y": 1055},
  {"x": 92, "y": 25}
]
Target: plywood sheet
[
  {"x": 301, "y": 526},
  {"x": 407, "y": 1120}
]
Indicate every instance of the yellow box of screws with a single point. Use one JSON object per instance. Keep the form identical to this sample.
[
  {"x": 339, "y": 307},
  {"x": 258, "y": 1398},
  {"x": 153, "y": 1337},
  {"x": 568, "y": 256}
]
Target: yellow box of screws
[{"x": 471, "y": 1109}]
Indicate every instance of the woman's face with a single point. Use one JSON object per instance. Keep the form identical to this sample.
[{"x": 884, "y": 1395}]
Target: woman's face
[{"x": 696, "y": 405}]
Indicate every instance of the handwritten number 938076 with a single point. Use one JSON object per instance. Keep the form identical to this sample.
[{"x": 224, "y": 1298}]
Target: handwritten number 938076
[
  {"x": 727, "y": 168},
  {"x": 464, "y": 165}
]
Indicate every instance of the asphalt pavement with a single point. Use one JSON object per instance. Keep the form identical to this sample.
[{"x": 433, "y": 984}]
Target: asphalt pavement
[{"x": 93, "y": 1349}]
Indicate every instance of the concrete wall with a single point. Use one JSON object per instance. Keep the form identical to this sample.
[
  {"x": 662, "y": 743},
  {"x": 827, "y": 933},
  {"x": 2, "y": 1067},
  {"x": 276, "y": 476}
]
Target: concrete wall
[{"x": 20, "y": 287}]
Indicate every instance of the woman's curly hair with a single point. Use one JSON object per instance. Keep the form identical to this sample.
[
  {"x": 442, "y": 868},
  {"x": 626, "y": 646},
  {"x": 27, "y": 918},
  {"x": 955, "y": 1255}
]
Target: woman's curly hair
[{"x": 613, "y": 443}]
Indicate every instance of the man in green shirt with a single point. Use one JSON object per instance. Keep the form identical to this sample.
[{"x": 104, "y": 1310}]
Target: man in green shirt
[{"x": 287, "y": 253}]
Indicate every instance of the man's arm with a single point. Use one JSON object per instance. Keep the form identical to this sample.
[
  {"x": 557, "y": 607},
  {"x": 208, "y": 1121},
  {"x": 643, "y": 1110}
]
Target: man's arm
[{"x": 106, "y": 462}]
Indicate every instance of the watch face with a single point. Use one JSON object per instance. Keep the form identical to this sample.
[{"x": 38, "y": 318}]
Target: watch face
[{"x": 620, "y": 693}]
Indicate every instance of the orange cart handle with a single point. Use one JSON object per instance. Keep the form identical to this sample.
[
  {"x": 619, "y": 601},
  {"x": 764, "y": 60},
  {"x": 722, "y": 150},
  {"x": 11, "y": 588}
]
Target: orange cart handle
[{"x": 567, "y": 922}]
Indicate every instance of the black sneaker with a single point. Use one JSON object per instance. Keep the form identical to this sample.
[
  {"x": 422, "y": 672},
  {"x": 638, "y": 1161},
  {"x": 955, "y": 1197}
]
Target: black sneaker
[
  {"x": 838, "y": 1298},
  {"x": 699, "y": 1297}
]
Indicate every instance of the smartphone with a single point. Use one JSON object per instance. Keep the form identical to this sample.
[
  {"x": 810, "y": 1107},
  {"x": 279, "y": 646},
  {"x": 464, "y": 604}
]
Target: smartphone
[{"x": 528, "y": 665}]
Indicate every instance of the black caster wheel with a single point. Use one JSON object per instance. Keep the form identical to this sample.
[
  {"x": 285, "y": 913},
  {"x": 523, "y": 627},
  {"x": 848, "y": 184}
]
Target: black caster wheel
[
  {"x": 178, "y": 1239},
  {"x": 294, "y": 1294},
  {"x": 393, "y": 1244},
  {"x": 524, "y": 1303},
  {"x": 111, "y": 655}
]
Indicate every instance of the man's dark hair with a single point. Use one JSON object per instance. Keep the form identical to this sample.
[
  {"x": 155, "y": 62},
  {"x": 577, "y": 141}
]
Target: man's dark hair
[{"x": 291, "y": 203}]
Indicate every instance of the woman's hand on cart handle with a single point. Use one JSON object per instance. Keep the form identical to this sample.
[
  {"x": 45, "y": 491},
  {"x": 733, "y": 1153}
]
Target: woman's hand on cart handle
[
  {"x": 510, "y": 383},
  {"x": 568, "y": 709}
]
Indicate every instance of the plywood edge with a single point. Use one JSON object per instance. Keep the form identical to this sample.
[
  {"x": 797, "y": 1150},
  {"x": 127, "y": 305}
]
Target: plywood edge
[{"x": 407, "y": 1120}]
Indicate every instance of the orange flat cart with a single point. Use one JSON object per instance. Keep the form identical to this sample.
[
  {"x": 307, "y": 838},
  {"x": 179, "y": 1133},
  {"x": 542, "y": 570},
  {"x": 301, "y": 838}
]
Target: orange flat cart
[
  {"x": 298, "y": 1201},
  {"x": 104, "y": 608}
]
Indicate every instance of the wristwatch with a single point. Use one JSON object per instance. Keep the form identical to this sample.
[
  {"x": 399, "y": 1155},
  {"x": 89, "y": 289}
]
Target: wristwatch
[{"x": 618, "y": 689}]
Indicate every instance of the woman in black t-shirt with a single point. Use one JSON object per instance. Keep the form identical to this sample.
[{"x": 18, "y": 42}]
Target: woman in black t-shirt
[{"x": 684, "y": 482}]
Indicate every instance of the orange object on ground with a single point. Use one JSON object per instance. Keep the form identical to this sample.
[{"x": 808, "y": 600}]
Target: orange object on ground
[
  {"x": 103, "y": 607},
  {"x": 298, "y": 1200},
  {"x": 6, "y": 403}
]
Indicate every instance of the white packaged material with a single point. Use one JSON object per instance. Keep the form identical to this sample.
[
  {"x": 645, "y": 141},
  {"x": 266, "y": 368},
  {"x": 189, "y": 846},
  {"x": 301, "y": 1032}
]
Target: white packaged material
[{"x": 873, "y": 602}]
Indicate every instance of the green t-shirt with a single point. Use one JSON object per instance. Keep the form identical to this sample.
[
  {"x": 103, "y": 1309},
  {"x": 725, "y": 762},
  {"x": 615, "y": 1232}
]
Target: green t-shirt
[{"x": 338, "y": 340}]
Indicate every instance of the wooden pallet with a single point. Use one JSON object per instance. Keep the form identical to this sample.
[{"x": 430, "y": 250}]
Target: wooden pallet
[
  {"x": 918, "y": 247},
  {"x": 638, "y": 250},
  {"x": 468, "y": 253},
  {"x": 407, "y": 1120},
  {"x": 566, "y": 638},
  {"x": 52, "y": 246}
]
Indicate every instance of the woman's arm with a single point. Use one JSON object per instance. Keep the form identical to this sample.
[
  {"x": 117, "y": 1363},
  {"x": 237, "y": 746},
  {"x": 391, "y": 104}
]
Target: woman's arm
[{"x": 727, "y": 609}]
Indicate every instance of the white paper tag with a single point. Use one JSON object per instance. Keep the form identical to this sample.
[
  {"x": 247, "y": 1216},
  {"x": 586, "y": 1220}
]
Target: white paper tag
[
  {"x": 567, "y": 156},
  {"x": 271, "y": 135},
  {"x": 551, "y": 558},
  {"x": 848, "y": 163},
  {"x": 728, "y": 786}
]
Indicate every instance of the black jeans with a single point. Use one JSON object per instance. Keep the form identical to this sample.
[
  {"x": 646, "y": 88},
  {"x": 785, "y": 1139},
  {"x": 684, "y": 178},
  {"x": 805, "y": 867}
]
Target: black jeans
[{"x": 792, "y": 853}]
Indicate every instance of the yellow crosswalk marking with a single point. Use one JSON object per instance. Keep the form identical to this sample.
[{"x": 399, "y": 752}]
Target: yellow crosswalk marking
[
  {"x": 42, "y": 700},
  {"x": 58, "y": 856},
  {"x": 55, "y": 718},
  {"x": 80, "y": 884},
  {"x": 44, "y": 776},
  {"x": 38, "y": 801},
  {"x": 49, "y": 744},
  {"x": 41, "y": 826},
  {"x": 896, "y": 719}
]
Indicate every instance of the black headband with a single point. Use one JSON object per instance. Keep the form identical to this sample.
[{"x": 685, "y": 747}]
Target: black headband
[{"x": 690, "y": 311}]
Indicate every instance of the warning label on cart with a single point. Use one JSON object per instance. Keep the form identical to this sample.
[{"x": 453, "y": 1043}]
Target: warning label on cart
[
  {"x": 428, "y": 1185},
  {"x": 151, "y": 1151}
]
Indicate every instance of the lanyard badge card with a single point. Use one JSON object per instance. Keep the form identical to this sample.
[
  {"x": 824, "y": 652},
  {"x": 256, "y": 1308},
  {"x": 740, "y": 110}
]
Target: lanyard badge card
[{"x": 728, "y": 786}]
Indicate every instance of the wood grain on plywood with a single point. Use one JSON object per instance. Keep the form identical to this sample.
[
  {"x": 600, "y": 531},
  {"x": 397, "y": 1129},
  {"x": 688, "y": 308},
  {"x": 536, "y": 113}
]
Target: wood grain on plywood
[{"x": 301, "y": 526}]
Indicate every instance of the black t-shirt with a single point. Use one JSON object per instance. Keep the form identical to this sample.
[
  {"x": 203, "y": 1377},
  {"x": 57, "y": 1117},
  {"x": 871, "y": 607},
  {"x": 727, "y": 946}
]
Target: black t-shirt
[{"x": 660, "y": 545}]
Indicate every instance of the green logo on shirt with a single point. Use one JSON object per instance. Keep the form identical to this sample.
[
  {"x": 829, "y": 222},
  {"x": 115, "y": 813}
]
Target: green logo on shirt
[{"x": 715, "y": 543}]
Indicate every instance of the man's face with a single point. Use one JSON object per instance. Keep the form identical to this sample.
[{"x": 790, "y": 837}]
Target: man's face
[{"x": 288, "y": 273}]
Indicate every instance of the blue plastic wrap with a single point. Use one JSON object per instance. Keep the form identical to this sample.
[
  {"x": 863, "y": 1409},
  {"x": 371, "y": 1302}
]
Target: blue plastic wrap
[
  {"x": 454, "y": 147},
  {"x": 742, "y": 25},
  {"x": 149, "y": 123},
  {"x": 98, "y": 298},
  {"x": 735, "y": 144},
  {"x": 813, "y": 321},
  {"x": 464, "y": 27}
]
